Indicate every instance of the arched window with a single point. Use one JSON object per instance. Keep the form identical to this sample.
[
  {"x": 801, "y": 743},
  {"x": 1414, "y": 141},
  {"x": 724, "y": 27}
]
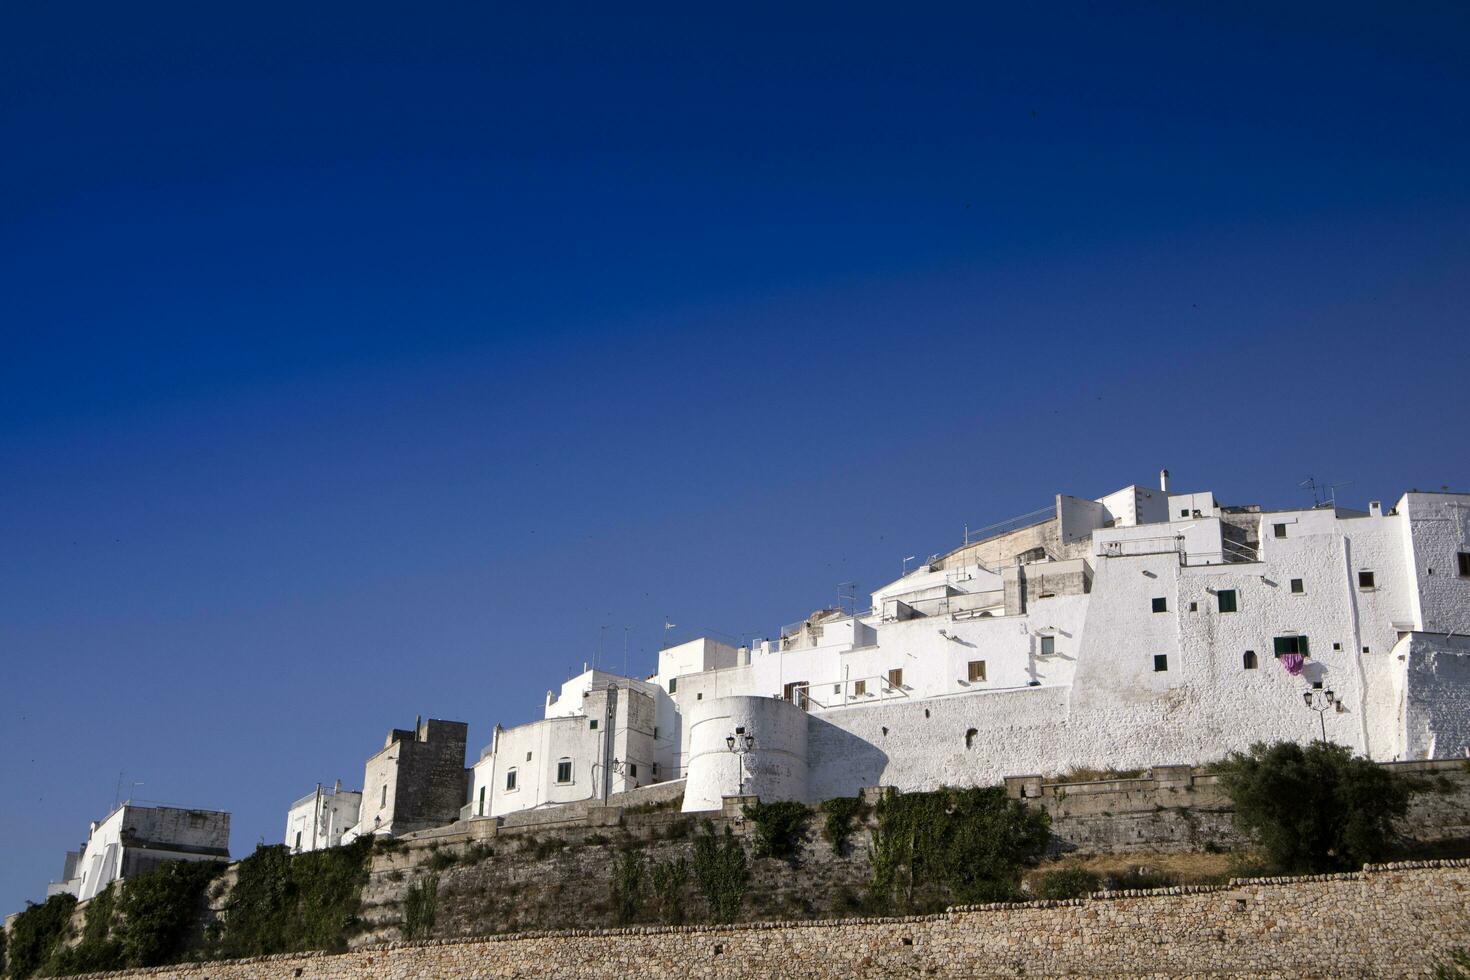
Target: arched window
[{"x": 1249, "y": 660}]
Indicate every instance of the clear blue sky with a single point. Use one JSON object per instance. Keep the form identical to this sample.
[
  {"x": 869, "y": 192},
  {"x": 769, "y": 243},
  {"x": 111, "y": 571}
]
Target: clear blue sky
[{"x": 360, "y": 363}]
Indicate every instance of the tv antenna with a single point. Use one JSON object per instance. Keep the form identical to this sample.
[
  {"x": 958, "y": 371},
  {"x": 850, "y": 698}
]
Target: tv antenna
[
  {"x": 847, "y": 597},
  {"x": 1322, "y": 493}
]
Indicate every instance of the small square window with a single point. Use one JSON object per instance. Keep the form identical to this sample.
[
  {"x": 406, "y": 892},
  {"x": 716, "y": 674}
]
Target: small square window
[
  {"x": 1225, "y": 598},
  {"x": 510, "y": 779},
  {"x": 1365, "y": 580},
  {"x": 1161, "y": 605},
  {"x": 593, "y": 725},
  {"x": 1183, "y": 511},
  {"x": 859, "y": 688},
  {"x": 1279, "y": 530},
  {"x": 836, "y": 688},
  {"x": 1366, "y": 650},
  {"x": 1298, "y": 587},
  {"x": 895, "y": 677},
  {"x": 1194, "y": 607},
  {"x": 699, "y": 696},
  {"x": 564, "y": 771},
  {"x": 1462, "y": 559},
  {"x": 1337, "y": 646},
  {"x": 1161, "y": 663},
  {"x": 1048, "y": 645},
  {"x": 1248, "y": 661},
  {"x": 977, "y": 671}
]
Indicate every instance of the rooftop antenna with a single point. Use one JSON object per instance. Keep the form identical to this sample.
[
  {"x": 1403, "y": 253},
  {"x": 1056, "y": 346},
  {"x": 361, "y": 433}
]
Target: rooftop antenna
[
  {"x": 847, "y": 597},
  {"x": 1323, "y": 493},
  {"x": 626, "y": 630},
  {"x": 601, "y": 630},
  {"x": 117, "y": 794},
  {"x": 667, "y": 626},
  {"x": 906, "y": 564}
]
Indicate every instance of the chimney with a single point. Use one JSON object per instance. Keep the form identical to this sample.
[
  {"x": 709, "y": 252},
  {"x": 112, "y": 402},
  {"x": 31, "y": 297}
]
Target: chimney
[
  {"x": 1164, "y": 480},
  {"x": 1375, "y": 508}
]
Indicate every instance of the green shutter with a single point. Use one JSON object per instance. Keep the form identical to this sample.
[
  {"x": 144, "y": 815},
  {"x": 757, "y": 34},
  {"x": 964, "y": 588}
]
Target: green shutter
[
  {"x": 1283, "y": 645},
  {"x": 1301, "y": 646}
]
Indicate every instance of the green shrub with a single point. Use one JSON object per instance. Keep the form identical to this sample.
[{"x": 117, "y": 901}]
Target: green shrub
[
  {"x": 1064, "y": 883},
  {"x": 1315, "y": 808},
  {"x": 1455, "y": 966},
  {"x": 439, "y": 860},
  {"x": 840, "y": 813},
  {"x": 668, "y": 879},
  {"x": 954, "y": 845},
  {"x": 421, "y": 908},
  {"x": 779, "y": 828},
  {"x": 721, "y": 872},
  {"x": 283, "y": 903},
  {"x": 35, "y": 933},
  {"x": 1140, "y": 878},
  {"x": 627, "y": 886}
]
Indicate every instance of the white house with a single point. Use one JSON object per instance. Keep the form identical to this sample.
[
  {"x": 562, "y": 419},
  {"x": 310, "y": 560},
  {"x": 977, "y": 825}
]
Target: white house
[
  {"x": 1143, "y": 627},
  {"x": 133, "y": 840},
  {"x": 320, "y": 818}
]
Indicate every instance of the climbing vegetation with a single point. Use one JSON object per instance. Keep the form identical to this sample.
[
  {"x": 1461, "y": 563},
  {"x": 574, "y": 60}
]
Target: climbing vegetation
[
  {"x": 953, "y": 845},
  {"x": 721, "y": 872},
  {"x": 36, "y": 933},
  {"x": 839, "y": 815},
  {"x": 286, "y": 903},
  {"x": 627, "y": 885},
  {"x": 779, "y": 828},
  {"x": 421, "y": 908}
]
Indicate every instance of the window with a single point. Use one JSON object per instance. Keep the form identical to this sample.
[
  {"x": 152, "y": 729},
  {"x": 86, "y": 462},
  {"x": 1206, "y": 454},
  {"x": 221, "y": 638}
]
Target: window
[
  {"x": 1463, "y": 558},
  {"x": 895, "y": 677},
  {"x": 797, "y": 692},
  {"x": 1048, "y": 645},
  {"x": 699, "y": 696},
  {"x": 1290, "y": 644},
  {"x": 632, "y": 770},
  {"x": 836, "y": 688},
  {"x": 673, "y": 685},
  {"x": 384, "y": 800},
  {"x": 528, "y": 757},
  {"x": 593, "y": 724},
  {"x": 1161, "y": 663},
  {"x": 1365, "y": 580},
  {"x": 859, "y": 689},
  {"x": 1161, "y": 605},
  {"x": 1279, "y": 530},
  {"x": 655, "y": 733},
  {"x": 1248, "y": 661},
  {"x": 977, "y": 671},
  {"x": 1298, "y": 587},
  {"x": 1226, "y": 600},
  {"x": 482, "y": 801},
  {"x": 564, "y": 771},
  {"x": 1183, "y": 511},
  {"x": 510, "y": 779},
  {"x": 1194, "y": 607},
  {"x": 298, "y": 840}
]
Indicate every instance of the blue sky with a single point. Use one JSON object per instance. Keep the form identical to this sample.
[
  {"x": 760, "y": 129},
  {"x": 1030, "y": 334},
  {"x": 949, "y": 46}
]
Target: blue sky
[{"x": 362, "y": 362}]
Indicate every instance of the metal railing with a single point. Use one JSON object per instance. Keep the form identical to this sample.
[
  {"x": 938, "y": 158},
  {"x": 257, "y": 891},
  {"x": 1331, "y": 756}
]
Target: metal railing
[{"x": 973, "y": 535}]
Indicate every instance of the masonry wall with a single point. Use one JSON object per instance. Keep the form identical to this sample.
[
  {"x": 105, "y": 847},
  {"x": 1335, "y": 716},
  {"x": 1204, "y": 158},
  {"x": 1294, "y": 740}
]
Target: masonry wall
[{"x": 1386, "y": 920}]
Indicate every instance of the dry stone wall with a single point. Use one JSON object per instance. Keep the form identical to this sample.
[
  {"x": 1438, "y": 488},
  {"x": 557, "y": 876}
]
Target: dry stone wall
[{"x": 1388, "y": 920}]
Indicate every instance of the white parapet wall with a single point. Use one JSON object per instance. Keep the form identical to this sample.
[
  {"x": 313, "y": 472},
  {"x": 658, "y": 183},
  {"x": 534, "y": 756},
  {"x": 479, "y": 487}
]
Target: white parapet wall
[{"x": 774, "y": 769}]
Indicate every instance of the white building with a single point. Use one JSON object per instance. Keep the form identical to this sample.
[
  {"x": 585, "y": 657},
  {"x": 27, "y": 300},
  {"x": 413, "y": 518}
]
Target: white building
[
  {"x": 1144, "y": 627},
  {"x": 320, "y": 818},
  {"x": 133, "y": 840}
]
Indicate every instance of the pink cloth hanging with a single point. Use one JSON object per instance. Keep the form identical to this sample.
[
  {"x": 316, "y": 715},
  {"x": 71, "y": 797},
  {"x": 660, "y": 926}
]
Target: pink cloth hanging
[{"x": 1293, "y": 663}]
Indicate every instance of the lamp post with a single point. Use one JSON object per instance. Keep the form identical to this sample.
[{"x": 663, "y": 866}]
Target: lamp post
[
  {"x": 740, "y": 742},
  {"x": 1320, "y": 702}
]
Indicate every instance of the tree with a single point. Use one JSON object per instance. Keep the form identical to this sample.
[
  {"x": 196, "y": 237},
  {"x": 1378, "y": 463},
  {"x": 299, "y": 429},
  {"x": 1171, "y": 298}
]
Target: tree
[{"x": 1315, "y": 808}]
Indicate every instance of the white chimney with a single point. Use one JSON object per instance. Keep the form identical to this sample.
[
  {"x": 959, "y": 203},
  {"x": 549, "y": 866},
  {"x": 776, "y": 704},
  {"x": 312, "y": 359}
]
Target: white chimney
[
  {"x": 1164, "y": 480},
  {"x": 1375, "y": 508}
]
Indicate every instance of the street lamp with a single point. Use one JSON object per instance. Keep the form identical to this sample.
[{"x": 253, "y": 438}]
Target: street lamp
[
  {"x": 740, "y": 743},
  {"x": 1320, "y": 702}
]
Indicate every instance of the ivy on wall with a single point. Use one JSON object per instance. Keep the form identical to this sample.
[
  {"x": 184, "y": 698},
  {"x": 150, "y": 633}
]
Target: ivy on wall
[
  {"x": 35, "y": 934},
  {"x": 721, "y": 872},
  {"x": 421, "y": 908},
  {"x": 779, "y": 828},
  {"x": 287, "y": 903},
  {"x": 954, "y": 845}
]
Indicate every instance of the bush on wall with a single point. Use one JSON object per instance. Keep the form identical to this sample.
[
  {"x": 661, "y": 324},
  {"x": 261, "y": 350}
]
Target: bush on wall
[
  {"x": 35, "y": 934},
  {"x": 954, "y": 845},
  {"x": 283, "y": 903},
  {"x": 1314, "y": 808}
]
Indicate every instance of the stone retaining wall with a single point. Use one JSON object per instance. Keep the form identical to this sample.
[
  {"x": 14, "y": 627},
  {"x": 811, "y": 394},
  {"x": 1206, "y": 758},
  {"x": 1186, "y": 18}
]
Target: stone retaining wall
[{"x": 1388, "y": 920}]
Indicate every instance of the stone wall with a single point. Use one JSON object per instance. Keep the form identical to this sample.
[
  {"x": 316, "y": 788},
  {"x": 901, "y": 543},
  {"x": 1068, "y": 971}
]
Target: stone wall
[{"x": 1386, "y": 920}]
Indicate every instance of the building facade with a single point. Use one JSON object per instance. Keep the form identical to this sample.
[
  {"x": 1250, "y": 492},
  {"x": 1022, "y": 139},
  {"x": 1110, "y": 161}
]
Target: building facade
[
  {"x": 1140, "y": 628},
  {"x": 320, "y": 818},
  {"x": 133, "y": 840},
  {"x": 417, "y": 781}
]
